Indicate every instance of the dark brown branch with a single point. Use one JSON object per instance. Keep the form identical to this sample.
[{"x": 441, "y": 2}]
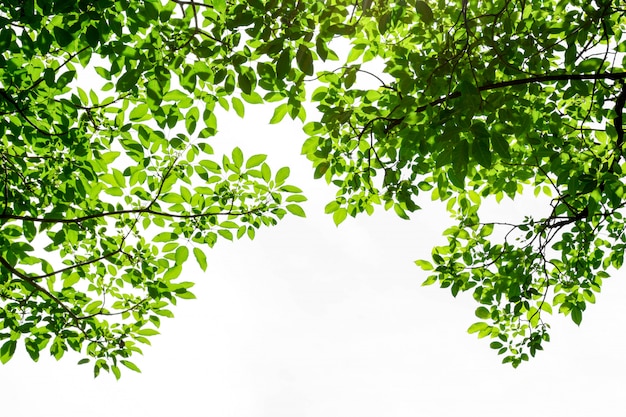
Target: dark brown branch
[
  {"x": 128, "y": 211},
  {"x": 192, "y": 3},
  {"x": 78, "y": 265},
  {"x": 63, "y": 64},
  {"x": 530, "y": 80},
  {"x": 117, "y": 313},
  {"x": 38, "y": 287},
  {"x": 22, "y": 113}
]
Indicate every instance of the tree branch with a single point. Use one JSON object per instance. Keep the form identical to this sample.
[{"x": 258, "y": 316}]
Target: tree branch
[
  {"x": 81, "y": 219},
  {"x": 38, "y": 287},
  {"x": 529, "y": 80}
]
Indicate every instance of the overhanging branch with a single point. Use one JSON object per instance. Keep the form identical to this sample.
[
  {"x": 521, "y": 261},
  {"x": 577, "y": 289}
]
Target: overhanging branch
[
  {"x": 81, "y": 219},
  {"x": 530, "y": 80}
]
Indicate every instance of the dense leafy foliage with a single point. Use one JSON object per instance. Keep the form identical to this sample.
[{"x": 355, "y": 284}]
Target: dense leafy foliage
[{"x": 108, "y": 109}]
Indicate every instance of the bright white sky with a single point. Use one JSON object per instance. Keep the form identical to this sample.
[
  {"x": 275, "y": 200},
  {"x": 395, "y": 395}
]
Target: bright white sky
[{"x": 310, "y": 320}]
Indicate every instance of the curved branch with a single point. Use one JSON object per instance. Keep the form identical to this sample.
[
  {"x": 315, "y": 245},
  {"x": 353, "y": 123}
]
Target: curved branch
[
  {"x": 22, "y": 113},
  {"x": 117, "y": 313},
  {"x": 530, "y": 80},
  {"x": 81, "y": 219},
  {"x": 38, "y": 287}
]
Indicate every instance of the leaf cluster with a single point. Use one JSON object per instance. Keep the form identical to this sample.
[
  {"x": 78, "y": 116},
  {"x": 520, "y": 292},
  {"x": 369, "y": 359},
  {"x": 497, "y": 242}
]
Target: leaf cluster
[{"x": 110, "y": 183}]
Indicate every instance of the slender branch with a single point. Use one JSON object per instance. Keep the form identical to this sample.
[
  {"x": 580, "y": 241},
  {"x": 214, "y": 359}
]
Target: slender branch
[
  {"x": 192, "y": 3},
  {"x": 35, "y": 284},
  {"x": 64, "y": 63},
  {"x": 81, "y": 219},
  {"x": 117, "y": 313},
  {"x": 529, "y": 80},
  {"x": 78, "y": 265},
  {"x": 22, "y": 113}
]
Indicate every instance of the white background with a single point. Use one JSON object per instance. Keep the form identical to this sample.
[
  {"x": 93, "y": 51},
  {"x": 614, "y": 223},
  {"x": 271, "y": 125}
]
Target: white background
[{"x": 313, "y": 320}]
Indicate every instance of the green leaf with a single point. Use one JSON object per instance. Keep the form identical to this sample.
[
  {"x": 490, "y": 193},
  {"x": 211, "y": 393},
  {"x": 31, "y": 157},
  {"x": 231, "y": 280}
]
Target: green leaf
[
  {"x": 229, "y": 83},
  {"x": 331, "y": 207},
  {"x": 266, "y": 173},
  {"x": 116, "y": 371},
  {"x": 201, "y": 258},
  {"x": 154, "y": 93},
  {"x": 320, "y": 170},
  {"x": 425, "y": 11},
  {"x": 173, "y": 273},
  {"x": 356, "y": 51},
  {"x": 296, "y": 210},
  {"x": 62, "y": 36},
  {"x": 138, "y": 112},
  {"x": 383, "y": 22},
  {"x": 238, "y": 106},
  {"x": 32, "y": 348},
  {"x": 6, "y": 37},
  {"x": 191, "y": 119},
  {"x": 119, "y": 178},
  {"x": 282, "y": 175},
  {"x": 495, "y": 345},
  {"x": 577, "y": 315},
  {"x": 244, "y": 83},
  {"x": 148, "y": 332},
  {"x": 304, "y": 58},
  {"x": 186, "y": 295},
  {"x": 182, "y": 253},
  {"x": 7, "y": 350},
  {"x": 482, "y": 313},
  {"x": 128, "y": 81},
  {"x": 130, "y": 365},
  {"x": 71, "y": 280},
  {"x": 283, "y": 64},
  {"x": 65, "y": 78},
  {"x": 425, "y": 265},
  {"x": 399, "y": 210},
  {"x": 501, "y": 146},
  {"x": 279, "y": 113},
  {"x": 253, "y": 98},
  {"x": 92, "y": 35},
  {"x": 164, "y": 313},
  {"x": 296, "y": 198},
  {"x": 591, "y": 65},
  {"x": 458, "y": 171},
  {"x": 93, "y": 307},
  {"x": 477, "y": 327},
  {"x": 255, "y": 160},
  {"x": 339, "y": 215},
  {"x": 290, "y": 189},
  {"x": 165, "y": 237},
  {"x": 237, "y": 157},
  {"x": 481, "y": 152},
  {"x": 172, "y": 198}
]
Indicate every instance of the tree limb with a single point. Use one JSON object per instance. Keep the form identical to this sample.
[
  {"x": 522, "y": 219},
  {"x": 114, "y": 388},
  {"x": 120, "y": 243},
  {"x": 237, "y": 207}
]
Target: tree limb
[{"x": 529, "y": 80}]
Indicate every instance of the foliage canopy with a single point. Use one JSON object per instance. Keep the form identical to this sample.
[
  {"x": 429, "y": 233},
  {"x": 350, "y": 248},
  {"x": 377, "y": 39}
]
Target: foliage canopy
[{"x": 476, "y": 100}]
